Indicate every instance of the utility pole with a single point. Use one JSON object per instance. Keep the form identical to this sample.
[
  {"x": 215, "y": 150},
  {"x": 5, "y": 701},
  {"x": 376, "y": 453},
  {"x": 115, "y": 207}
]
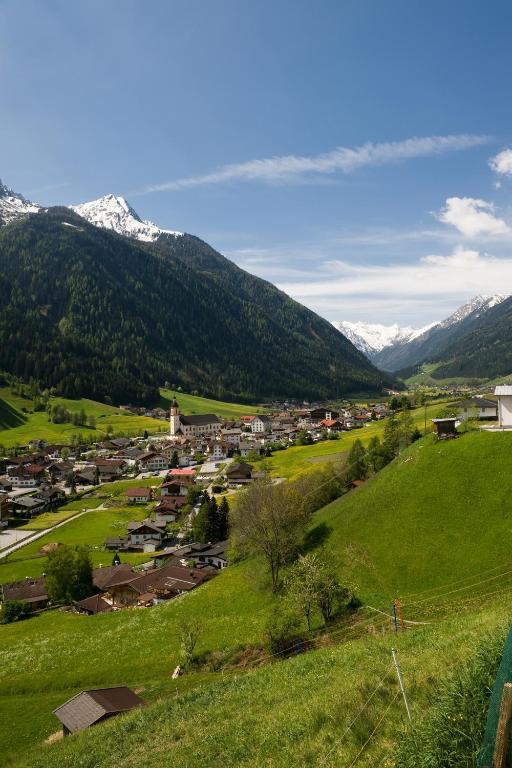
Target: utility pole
[{"x": 401, "y": 683}]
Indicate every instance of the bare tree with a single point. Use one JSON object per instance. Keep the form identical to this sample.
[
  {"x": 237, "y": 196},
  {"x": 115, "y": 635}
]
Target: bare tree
[{"x": 269, "y": 520}]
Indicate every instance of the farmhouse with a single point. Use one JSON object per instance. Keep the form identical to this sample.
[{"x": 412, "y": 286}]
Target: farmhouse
[
  {"x": 260, "y": 423},
  {"x": 30, "y": 591},
  {"x": 151, "y": 462},
  {"x": 192, "y": 426},
  {"x": 160, "y": 584},
  {"x": 90, "y": 707},
  {"x": 239, "y": 473}
]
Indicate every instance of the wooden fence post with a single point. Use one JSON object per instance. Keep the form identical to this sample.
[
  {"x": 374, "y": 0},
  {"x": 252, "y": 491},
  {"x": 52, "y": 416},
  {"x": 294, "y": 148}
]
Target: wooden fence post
[{"x": 501, "y": 745}]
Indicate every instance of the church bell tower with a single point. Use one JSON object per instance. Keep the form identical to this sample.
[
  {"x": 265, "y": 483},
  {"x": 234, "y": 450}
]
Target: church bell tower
[{"x": 175, "y": 417}]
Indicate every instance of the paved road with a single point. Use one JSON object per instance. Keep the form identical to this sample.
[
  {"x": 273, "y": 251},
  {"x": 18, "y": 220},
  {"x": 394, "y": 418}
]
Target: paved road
[{"x": 39, "y": 534}]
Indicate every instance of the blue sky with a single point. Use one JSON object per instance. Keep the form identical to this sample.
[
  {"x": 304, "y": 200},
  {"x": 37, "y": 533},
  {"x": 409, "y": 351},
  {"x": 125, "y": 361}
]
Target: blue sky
[{"x": 378, "y": 198}]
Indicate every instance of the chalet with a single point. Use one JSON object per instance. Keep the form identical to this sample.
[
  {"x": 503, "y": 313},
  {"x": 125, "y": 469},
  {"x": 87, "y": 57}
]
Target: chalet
[
  {"x": 319, "y": 414},
  {"x": 90, "y": 707},
  {"x": 213, "y": 554},
  {"x": 93, "y": 605},
  {"x": 51, "y": 496},
  {"x": 59, "y": 470},
  {"x": 159, "y": 584},
  {"x": 152, "y": 462},
  {"x": 146, "y": 531},
  {"x": 245, "y": 448},
  {"x": 138, "y": 495},
  {"x": 26, "y": 476},
  {"x": 110, "y": 469},
  {"x": 116, "y": 443},
  {"x": 247, "y": 420},
  {"x": 504, "y": 394},
  {"x": 104, "y": 578},
  {"x": 174, "y": 488},
  {"x": 260, "y": 423},
  {"x": 168, "y": 508},
  {"x": 192, "y": 426},
  {"x": 86, "y": 476},
  {"x": 27, "y": 506},
  {"x": 477, "y": 408},
  {"x": 239, "y": 473},
  {"x": 331, "y": 425},
  {"x": 131, "y": 454},
  {"x": 182, "y": 474},
  {"x": 29, "y": 591}
]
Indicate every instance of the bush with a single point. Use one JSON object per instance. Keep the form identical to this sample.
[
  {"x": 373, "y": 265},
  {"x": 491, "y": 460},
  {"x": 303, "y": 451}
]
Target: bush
[
  {"x": 13, "y": 610},
  {"x": 282, "y": 629},
  {"x": 451, "y": 735}
]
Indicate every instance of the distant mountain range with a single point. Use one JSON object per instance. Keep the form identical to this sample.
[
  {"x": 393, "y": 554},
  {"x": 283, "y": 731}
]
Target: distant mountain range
[
  {"x": 401, "y": 349},
  {"x": 95, "y": 301}
]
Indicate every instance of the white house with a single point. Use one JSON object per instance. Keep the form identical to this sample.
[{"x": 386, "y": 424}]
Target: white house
[
  {"x": 260, "y": 423},
  {"x": 504, "y": 395},
  {"x": 478, "y": 408}
]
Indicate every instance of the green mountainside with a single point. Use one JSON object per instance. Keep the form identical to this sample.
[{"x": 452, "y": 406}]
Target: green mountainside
[{"x": 97, "y": 314}]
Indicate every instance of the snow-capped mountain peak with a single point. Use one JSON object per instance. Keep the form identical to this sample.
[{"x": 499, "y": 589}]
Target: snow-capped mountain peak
[
  {"x": 13, "y": 205},
  {"x": 373, "y": 337},
  {"x": 477, "y": 306},
  {"x": 115, "y": 213}
]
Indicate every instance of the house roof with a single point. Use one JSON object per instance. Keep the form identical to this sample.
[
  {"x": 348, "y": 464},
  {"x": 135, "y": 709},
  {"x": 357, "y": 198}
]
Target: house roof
[
  {"x": 173, "y": 578},
  {"x": 239, "y": 467},
  {"x": 27, "y": 590},
  {"x": 88, "y": 707},
  {"x": 93, "y": 604},
  {"x": 134, "y": 492},
  {"x": 476, "y": 402},
  {"x": 200, "y": 420},
  {"x": 148, "y": 525},
  {"x": 102, "y": 578},
  {"x": 504, "y": 389},
  {"x": 184, "y": 472}
]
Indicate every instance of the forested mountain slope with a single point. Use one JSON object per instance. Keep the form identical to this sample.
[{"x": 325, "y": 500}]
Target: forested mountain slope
[{"x": 97, "y": 314}]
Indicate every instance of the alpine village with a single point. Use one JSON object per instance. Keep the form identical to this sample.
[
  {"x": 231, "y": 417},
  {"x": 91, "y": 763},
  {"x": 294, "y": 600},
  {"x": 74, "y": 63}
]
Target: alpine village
[{"x": 255, "y": 508}]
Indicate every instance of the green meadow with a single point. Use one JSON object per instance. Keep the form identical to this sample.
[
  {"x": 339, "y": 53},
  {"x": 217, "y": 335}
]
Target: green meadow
[
  {"x": 195, "y": 405},
  {"x": 19, "y": 423},
  {"x": 433, "y": 528}
]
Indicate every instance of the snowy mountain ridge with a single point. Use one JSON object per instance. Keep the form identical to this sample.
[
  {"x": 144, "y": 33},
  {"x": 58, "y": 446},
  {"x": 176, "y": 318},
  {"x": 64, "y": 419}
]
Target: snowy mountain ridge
[
  {"x": 114, "y": 213},
  {"x": 373, "y": 337},
  {"x": 13, "y": 205}
]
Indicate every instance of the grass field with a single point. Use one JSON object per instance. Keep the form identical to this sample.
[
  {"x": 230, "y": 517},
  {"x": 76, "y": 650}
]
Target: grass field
[
  {"x": 19, "y": 424},
  {"x": 297, "y": 459},
  {"x": 435, "y": 521},
  {"x": 192, "y": 405}
]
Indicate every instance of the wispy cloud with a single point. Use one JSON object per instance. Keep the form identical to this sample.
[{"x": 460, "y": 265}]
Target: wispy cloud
[
  {"x": 418, "y": 292},
  {"x": 473, "y": 217},
  {"x": 502, "y": 163},
  {"x": 289, "y": 169}
]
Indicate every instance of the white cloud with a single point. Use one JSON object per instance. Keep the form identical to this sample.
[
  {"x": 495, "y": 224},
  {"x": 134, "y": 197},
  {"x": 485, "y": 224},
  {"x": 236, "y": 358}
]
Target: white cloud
[
  {"x": 293, "y": 168},
  {"x": 396, "y": 290},
  {"x": 502, "y": 162},
  {"x": 473, "y": 217},
  {"x": 461, "y": 257}
]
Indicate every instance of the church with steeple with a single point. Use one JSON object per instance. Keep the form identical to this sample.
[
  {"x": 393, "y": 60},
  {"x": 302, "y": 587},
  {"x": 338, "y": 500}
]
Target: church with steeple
[{"x": 204, "y": 425}]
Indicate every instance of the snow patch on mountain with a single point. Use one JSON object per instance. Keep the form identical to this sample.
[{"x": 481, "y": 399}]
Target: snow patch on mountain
[
  {"x": 114, "y": 213},
  {"x": 476, "y": 306},
  {"x": 373, "y": 337},
  {"x": 13, "y": 206}
]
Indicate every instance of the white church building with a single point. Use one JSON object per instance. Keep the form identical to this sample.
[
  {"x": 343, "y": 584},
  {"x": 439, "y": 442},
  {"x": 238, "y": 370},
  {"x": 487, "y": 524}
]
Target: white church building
[{"x": 204, "y": 425}]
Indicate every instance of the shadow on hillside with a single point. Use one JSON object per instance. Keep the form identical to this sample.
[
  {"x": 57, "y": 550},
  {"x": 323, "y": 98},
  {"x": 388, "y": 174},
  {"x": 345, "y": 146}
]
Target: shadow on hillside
[
  {"x": 316, "y": 537},
  {"x": 9, "y": 416}
]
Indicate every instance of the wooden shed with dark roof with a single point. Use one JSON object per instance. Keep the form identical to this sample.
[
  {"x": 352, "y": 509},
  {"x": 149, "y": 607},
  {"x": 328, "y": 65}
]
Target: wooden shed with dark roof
[{"x": 91, "y": 707}]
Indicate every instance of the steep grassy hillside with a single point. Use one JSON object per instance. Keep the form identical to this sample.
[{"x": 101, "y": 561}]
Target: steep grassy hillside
[{"x": 434, "y": 522}]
